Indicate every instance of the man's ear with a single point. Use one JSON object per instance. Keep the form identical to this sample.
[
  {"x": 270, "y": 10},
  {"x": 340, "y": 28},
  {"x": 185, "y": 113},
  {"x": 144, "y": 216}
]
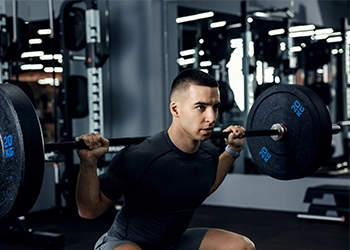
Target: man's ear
[{"x": 174, "y": 108}]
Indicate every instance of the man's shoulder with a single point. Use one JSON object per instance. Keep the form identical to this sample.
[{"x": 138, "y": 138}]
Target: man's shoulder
[
  {"x": 152, "y": 145},
  {"x": 210, "y": 148}
]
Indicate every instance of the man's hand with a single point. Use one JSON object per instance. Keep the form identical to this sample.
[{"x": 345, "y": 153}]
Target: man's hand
[
  {"x": 97, "y": 147},
  {"x": 236, "y": 137}
]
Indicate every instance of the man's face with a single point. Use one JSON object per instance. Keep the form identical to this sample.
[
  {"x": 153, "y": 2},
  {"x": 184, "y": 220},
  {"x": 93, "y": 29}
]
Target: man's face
[{"x": 198, "y": 110}]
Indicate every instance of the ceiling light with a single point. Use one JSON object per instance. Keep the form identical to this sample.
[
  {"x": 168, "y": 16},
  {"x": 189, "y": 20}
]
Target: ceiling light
[
  {"x": 302, "y": 28},
  {"x": 51, "y": 69},
  {"x": 295, "y": 49},
  {"x": 324, "y": 31},
  {"x": 334, "y": 39},
  {"x": 187, "y": 52},
  {"x": 182, "y": 61},
  {"x": 35, "y": 41},
  {"x": 46, "y": 81},
  {"x": 276, "y": 32},
  {"x": 32, "y": 54},
  {"x": 44, "y": 32},
  {"x": 302, "y": 34},
  {"x": 217, "y": 24},
  {"x": 32, "y": 67},
  {"x": 261, "y": 14},
  {"x": 194, "y": 17},
  {"x": 205, "y": 64},
  {"x": 50, "y": 57}
]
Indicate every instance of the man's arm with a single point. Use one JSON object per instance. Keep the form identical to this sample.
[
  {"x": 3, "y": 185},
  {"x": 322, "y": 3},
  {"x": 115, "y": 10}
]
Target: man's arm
[
  {"x": 90, "y": 200},
  {"x": 235, "y": 141}
]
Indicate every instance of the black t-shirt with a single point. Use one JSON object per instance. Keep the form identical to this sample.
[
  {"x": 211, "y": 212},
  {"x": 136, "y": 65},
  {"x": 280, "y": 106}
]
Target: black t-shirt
[{"x": 162, "y": 188}]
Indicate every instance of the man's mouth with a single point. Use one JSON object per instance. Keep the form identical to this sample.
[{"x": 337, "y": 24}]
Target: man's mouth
[{"x": 207, "y": 131}]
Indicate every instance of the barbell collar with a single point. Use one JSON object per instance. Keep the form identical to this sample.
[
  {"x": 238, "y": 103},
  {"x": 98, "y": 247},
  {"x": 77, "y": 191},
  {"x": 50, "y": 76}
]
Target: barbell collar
[{"x": 335, "y": 129}]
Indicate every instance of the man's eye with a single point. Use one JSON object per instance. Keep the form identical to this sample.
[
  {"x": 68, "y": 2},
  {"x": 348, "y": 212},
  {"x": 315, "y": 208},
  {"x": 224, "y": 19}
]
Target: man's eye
[
  {"x": 200, "y": 107},
  {"x": 216, "y": 107}
]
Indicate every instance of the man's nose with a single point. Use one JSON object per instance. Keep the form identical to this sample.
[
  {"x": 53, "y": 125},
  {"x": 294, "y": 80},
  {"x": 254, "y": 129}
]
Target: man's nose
[{"x": 211, "y": 115}]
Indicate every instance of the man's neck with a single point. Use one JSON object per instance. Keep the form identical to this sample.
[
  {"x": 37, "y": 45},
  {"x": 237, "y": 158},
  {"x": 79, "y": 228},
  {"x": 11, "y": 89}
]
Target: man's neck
[{"x": 182, "y": 141}]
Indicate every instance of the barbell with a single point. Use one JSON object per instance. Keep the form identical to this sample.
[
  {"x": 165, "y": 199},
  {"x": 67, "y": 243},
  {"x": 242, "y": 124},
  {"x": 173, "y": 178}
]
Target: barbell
[{"x": 288, "y": 134}]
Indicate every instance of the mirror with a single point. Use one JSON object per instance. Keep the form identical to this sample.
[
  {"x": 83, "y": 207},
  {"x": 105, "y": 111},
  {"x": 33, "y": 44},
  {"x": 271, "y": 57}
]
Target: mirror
[{"x": 248, "y": 53}]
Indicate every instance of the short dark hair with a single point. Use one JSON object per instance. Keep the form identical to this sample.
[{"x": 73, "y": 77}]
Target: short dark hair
[{"x": 193, "y": 76}]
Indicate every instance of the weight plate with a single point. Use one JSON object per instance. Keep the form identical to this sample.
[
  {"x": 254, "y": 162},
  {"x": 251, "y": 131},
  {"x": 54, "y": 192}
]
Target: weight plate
[
  {"x": 12, "y": 156},
  {"x": 309, "y": 131},
  {"x": 30, "y": 163}
]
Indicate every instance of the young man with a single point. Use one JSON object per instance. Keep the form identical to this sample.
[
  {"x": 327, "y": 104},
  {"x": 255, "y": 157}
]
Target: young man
[{"x": 165, "y": 178}]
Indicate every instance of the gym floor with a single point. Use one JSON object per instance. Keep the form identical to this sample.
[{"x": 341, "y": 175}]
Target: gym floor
[{"x": 270, "y": 230}]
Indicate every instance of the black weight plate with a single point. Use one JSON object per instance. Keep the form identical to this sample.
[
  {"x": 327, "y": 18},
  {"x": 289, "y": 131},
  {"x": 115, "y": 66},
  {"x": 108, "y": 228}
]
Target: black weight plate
[
  {"x": 74, "y": 27},
  {"x": 12, "y": 155},
  {"x": 308, "y": 137},
  {"x": 32, "y": 147}
]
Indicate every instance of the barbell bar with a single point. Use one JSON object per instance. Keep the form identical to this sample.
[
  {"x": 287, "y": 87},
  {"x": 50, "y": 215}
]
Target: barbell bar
[
  {"x": 70, "y": 145},
  {"x": 288, "y": 132},
  {"x": 276, "y": 132}
]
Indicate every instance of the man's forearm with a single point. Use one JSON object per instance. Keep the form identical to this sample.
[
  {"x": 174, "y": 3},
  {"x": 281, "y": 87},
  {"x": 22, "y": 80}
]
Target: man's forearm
[
  {"x": 225, "y": 164},
  {"x": 88, "y": 190}
]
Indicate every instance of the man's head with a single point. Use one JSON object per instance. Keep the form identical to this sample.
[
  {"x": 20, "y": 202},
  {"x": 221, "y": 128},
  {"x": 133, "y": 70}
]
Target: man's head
[
  {"x": 191, "y": 76},
  {"x": 194, "y": 104}
]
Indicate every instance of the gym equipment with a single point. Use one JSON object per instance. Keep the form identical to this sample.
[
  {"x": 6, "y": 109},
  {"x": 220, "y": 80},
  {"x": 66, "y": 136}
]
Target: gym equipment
[
  {"x": 306, "y": 142},
  {"x": 75, "y": 96},
  {"x": 291, "y": 123}
]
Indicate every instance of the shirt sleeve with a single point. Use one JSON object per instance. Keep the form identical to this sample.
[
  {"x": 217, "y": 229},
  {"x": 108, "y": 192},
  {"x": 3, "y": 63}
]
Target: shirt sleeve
[{"x": 117, "y": 179}]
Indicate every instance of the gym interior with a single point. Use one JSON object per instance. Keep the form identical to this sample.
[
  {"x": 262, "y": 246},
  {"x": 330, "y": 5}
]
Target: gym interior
[{"x": 106, "y": 66}]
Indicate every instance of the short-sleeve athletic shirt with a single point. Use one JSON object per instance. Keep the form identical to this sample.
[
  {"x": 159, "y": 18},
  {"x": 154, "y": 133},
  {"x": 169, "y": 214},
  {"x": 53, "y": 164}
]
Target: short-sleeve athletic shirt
[{"x": 162, "y": 188}]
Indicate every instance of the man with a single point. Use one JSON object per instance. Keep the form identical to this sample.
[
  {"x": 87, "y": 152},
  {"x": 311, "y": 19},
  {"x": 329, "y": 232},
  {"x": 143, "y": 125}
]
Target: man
[{"x": 165, "y": 178}]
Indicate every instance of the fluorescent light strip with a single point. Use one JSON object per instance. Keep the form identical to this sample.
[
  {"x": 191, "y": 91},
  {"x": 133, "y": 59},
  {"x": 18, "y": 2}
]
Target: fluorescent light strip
[
  {"x": 78, "y": 58},
  {"x": 32, "y": 67},
  {"x": 334, "y": 39},
  {"x": 302, "y": 28},
  {"x": 234, "y": 26},
  {"x": 194, "y": 17},
  {"x": 302, "y": 34},
  {"x": 50, "y": 69},
  {"x": 217, "y": 24},
  {"x": 50, "y": 57},
  {"x": 181, "y": 61},
  {"x": 205, "y": 63},
  {"x": 324, "y": 31},
  {"x": 46, "y": 81},
  {"x": 319, "y": 71},
  {"x": 44, "y": 32},
  {"x": 295, "y": 49},
  {"x": 261, "y": 14},
  {"x": 276, "y": 32},
  {"x": 320, "y": 37},
  {"x": 32, "y": 54},
  {"x": 35, "y": 41},
  {"x": 335, "y": 34},
  {"x": 187, "y": 52}
]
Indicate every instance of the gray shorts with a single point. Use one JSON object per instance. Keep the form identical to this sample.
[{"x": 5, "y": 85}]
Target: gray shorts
[{"x": 190, "y": 240}]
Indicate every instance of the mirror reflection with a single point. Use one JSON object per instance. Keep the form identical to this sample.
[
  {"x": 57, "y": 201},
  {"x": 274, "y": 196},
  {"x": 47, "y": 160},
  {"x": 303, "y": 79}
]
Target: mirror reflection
[{"x": 250, "y": 52}]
